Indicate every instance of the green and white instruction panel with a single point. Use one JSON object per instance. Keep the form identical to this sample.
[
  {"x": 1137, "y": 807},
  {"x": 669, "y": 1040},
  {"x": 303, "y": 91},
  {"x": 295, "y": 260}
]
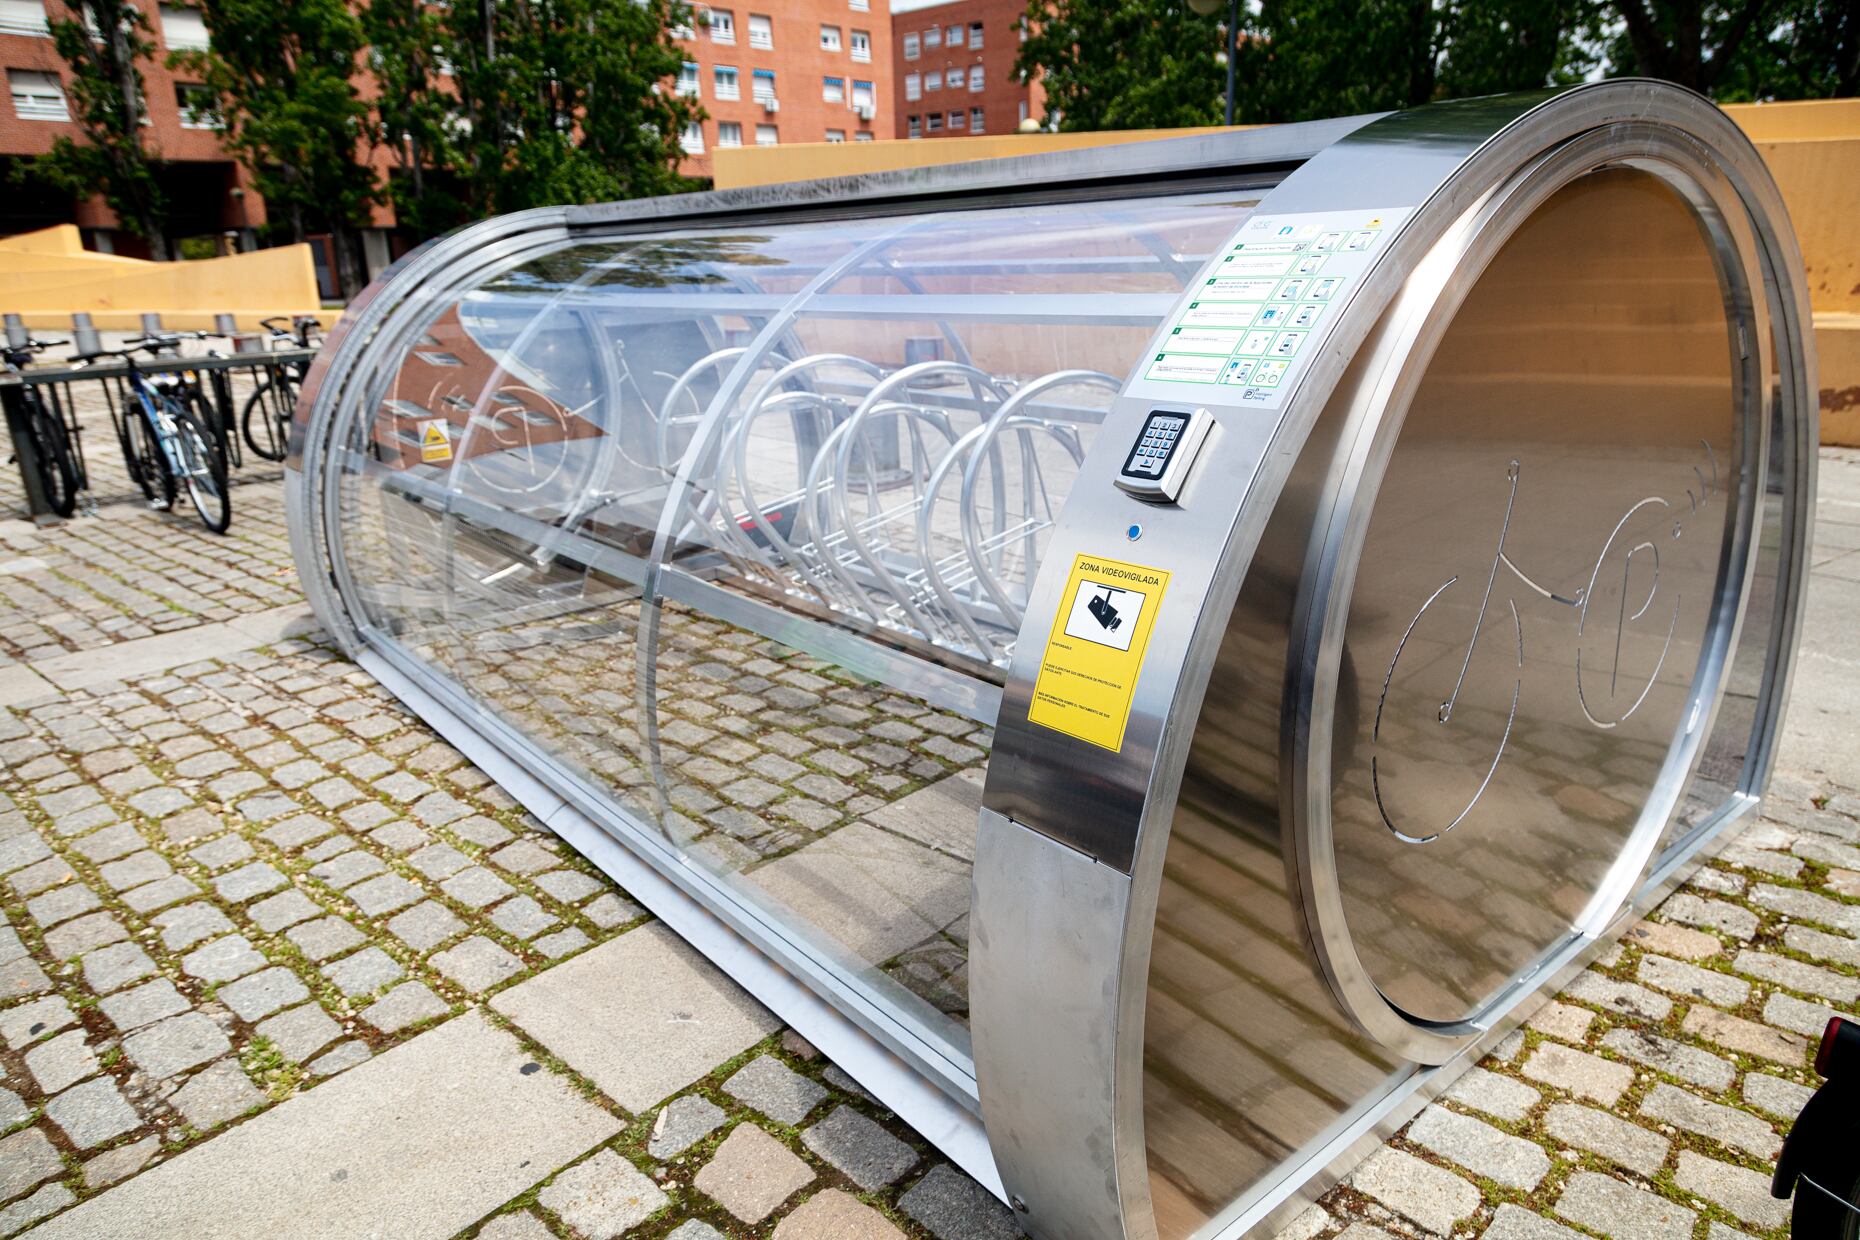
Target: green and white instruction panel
[{"x": 1264, "y": 304}]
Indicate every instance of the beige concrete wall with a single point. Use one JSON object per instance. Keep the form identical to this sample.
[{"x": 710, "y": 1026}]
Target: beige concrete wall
[{"x": 46, "y": 276}]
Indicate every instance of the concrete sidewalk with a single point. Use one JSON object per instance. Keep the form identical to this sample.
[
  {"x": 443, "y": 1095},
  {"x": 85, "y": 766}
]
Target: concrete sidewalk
[{"x": 277, "y": 961}]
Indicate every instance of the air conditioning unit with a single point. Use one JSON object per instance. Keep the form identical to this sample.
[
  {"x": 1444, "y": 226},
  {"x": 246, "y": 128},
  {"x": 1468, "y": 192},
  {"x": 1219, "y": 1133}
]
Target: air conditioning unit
[
  {"x": 771, "y": 105},
  {"x": 865, "y": 111}
]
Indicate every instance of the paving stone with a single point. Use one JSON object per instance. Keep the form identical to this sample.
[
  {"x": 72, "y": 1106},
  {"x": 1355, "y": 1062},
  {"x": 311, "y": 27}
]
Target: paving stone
[
  {"x": 1688, "y": 1063},
  {"x": 61, "y": 1061},
  {"x": 324, "y": 937},
  {"x": 571, "y": 886},
  {"x": 524, "y": 857},
  {"x": 86, "y": 934},
  {"x": 176, "y": 1044},
  {"x": 522, "y": 917},
  {"x": 859, "y": 1148},
  {"x": 521, "y": 1225},
  {"x": 1579, "y": 1072},
  {"x": 62, "y": 904},
  {"x": 477, "y": 963},
  {"x": 27, "y": 1158},
  {"x": 42, "y": 876},
  {"x": 120, "y": 1163},
  {"x": 93, "y": 1113},
  {"x": 294, "y": 833},
  {"x": 752, "y": 1173},
  {"x": 1838, "y": 948},
  {"x": 1617, "y": 996},
  {"x": 695, "y": 1229},
  {"x": 248, "y": 881},
  {"x": 1806, "y": 1018},
  {"x": 1418, "y": 1191},
  {"x": 160, "y": 802},
  {"x": 1496, "y": 1095},
  {"x": 611, "y": 910},
  {"x": 300, "y": 1032},
  {"x": 399, "y": 836},
  {"x": 183, "y": 927},
  {"x": 28, "y": 1022},
  {"x": 134, "y": 870},
  {"x": 603, "y": 1197},
  {"x": 681, "y": 1124},
  {"x": 48, "y": 1201},
  {"x": 161, "y": 893},
  {"x": 1691, "y": 910},
  {"x": 476, "y": 887},
  {"x": 364, "y": 972},
  {"x": 1677, "y": 977},
  {"x": 1512, "y": 1222},
  {"x": 776, "y": 1090},
  {"x": 287, "y": 908},
  {"x": 13, "y": 1110},
  {"x": 1744, "y": 1193},
  {"x": 425, "y": 925},
  {"x": 1726, "y": 1125},
  {"x": 1781, "y": 1098},
  {"x": 835, "y": 1215},
  {"x": 1807, "y": 906},
  {"x": 953, "y": 1207},
  {"x": 347, "y": 868},
  {"x": 482, "y": 831},
  {"x": 110, "y": 968},
  {"x": 1796, "y": 975},
  {"x": 438, "y": 861},
  {"x": 223, "y": 960},
  {"x": 190, "y": 824},
  {"x": 225, "y": 851},
  {"x": 1562, "y": 1020},
  {"x": 436, "y": 809},
  {"x": 266, "y": 806},
  {"x": 1480, "y": 1148},
  {"x": 406, "y": 1004},
  {"x": 25, "y": 849},
  {"x": 1622, "y": 1212},
  {"x": 263, "y": 993},
  {"x": 1738, "y": 1034},
  {"x": 561, "y": 943},
  {"x": 215, "y": 1095},
  {"x": 1601, "y": 1133}
]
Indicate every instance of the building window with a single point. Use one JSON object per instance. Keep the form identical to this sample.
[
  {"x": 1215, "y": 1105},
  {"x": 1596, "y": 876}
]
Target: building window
[
  {"x": 37, "y": 96},
  {"x": 862, "y": 136},
  {"x": 681, "y": 30},
  {"x": 762, "y": 86},
  {"x": 975, "y": 36},
  {"x": 861, "y": 6},
  {"x": 829, "y": 38},
  {"x": 862, "y": 46},
  {"x": 911, "y": 51},
  {"x": 914, "y": 126},
  {"x": 863, "y": 98},
  {"x": 727, "y": 82},
  {"x": 729, "y": 133},
  {"x": 766, "y": 136},
  {"x": 183, "y": 30},
  {"x": 722, "y": 26},
  {"x": 688, "y": 79},
  {"x": 761, "y": 31},
  {"x": 1023, "y": 111},
  {"x": 693, "y": 138},
  {"x": 933, "y": 37},
  {"x": 833, "y": 90},
  {"x": 953, "y": 36},
  {"x": 934, "y": 123},
  {"x": 24, "y": 17},
  {"x": 975, "y": 120},
  {"x": 933, "y": 80},
  {"x": 836, "y": 135},
  {"x": 913, "y": 86},
  {"x": 975, "y": 78},
  {"x": 956, "y": 119},
  {"x": 1023, "y": 30},
  {"x": 198, "y": 106}
]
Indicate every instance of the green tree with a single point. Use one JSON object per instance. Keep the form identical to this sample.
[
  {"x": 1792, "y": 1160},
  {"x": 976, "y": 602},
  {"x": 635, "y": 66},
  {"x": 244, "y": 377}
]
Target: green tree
[
  {"x": 284, "y": 74},
  {"x": 405, "y": 50},
  {"x": 564, "y": 100},
  {"x": 114, "y": 159},
  {"x": 1741, "y": 49},
  {"x": 1125, "y": 64}
]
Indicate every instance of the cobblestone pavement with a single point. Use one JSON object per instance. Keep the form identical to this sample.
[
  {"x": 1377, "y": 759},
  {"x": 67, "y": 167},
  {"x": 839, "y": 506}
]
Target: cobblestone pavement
[{"x": 260, "y": 925}]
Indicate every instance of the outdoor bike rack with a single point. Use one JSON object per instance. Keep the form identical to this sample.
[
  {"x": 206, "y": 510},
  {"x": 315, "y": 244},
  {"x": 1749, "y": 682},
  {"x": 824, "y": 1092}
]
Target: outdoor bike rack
[{"x": 1153, "y": 658}]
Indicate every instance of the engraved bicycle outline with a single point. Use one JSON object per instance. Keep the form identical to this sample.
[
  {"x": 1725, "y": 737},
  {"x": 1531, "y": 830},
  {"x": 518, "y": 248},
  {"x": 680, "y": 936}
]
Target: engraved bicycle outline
[{"x": 1580, "y": 600}]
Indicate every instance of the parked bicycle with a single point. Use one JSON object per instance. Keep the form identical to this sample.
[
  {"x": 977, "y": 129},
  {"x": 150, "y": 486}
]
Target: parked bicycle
[
  {"x": 266, "y": 422},
  {"x": 167, "y": 437},
  {"x": 54, "y": 458}
]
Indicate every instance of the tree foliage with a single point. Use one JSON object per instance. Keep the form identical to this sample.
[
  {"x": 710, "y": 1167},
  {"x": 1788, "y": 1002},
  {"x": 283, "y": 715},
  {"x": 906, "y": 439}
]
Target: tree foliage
[
  {"x": 109, "y": 106},
  {"x": 1138, "y": 63}
]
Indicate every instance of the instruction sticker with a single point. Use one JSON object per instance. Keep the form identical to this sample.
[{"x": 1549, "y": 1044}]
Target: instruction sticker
[
  {"x": 435, "y": 443},
  {"x": 1088, "y": 674}
]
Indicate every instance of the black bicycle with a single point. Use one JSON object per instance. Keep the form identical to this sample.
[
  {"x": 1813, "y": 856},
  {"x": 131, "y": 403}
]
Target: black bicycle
[
  {"x": 266, "y": 422},
  {"x": 54, "y": 459},
  {"x": 166, "y": 430},
  {"x": 1820, "y": 1159}
]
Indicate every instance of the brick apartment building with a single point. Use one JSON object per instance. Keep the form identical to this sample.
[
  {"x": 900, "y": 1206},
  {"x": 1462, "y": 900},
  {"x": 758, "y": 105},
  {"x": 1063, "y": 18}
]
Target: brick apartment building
[
  {"x": 956, "y": 75},
  {"x": 774, "y": 71}
]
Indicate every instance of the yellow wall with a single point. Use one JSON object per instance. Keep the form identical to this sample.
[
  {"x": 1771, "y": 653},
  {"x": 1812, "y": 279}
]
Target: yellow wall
[
  {"x": 47, "y": 275},
  {"x": 1812, "y": 148}
]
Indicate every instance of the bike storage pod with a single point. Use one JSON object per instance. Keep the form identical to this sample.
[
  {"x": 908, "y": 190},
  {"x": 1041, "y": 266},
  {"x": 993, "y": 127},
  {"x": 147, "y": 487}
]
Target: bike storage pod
[{"x": 1152, "y": 657}]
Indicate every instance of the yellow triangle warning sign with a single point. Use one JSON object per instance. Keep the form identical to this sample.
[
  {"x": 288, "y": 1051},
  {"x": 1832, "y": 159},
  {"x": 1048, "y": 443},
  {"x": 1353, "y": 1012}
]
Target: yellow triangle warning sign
[{"x": 435, "y": 443}]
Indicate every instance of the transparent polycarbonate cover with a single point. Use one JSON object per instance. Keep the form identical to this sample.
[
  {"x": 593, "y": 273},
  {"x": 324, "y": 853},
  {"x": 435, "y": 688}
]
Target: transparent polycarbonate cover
[{"x": 738, "y": 526}]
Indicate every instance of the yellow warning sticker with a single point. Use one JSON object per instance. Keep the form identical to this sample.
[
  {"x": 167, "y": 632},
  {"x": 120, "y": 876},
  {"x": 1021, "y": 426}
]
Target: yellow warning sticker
[
  {"x": 435, "y": 443},
  {"x": 1088, "y": 674}
]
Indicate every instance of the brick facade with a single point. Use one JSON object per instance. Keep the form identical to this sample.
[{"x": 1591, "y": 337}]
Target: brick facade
[{"x": 938, "y": 93}]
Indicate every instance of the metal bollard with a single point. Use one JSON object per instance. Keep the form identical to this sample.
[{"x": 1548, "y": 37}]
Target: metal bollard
[
  {"x": 225, "y": 324},
  {"x": 151, "y": 324},
  {"x": 16, "y": 333},
  {"x": 84, "y": 335}
]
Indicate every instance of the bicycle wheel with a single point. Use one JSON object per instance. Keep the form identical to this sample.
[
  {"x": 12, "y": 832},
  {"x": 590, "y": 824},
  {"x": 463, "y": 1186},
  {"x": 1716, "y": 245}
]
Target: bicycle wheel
[
  {"x": 57, "y": 469},
  {"x": 266, "y": 421},
  {"x": 225, "y": 436},
  {"x": 203, "y": 472},
  {"x": 142, "y": 453}
]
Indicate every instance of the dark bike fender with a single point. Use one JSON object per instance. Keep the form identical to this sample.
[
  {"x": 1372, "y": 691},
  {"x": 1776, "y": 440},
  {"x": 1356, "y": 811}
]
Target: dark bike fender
[{"x": 1821, "y": 1122}]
